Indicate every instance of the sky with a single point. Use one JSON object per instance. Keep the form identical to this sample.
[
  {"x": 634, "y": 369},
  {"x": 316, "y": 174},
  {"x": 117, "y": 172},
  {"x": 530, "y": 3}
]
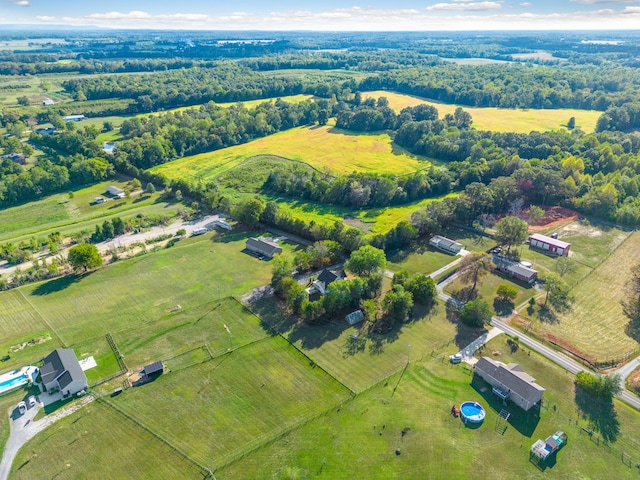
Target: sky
[{"x": 329, "y": 15}]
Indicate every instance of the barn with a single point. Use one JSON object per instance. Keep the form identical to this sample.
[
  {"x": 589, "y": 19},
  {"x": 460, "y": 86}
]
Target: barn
[
  {"x": 549, "y": 244},
  {"x": 263, "y": 246}
]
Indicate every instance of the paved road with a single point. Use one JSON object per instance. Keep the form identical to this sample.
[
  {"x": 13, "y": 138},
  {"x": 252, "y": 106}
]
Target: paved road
[{"x": 23, "y": 428}]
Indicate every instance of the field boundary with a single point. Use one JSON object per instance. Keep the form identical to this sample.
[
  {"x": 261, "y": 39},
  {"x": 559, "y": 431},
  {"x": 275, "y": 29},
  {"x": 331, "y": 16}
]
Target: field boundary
[{"x": 44, "y": 319}]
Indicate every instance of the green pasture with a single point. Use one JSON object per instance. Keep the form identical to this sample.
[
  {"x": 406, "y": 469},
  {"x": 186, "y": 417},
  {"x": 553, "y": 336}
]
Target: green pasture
[
  {"x": 218, "y": 410},
  {"x": 423, "y": 259},
  {"x": 59, "y": 212},
  {"x": 322, "y": 148},
  {"x": 595, "y": 323},
  {"x": 502, "y": 119},
  {"x": 95, "y": 440},
  {"x": 410, "y": 412},
  {"x": 145, "y": 288}
]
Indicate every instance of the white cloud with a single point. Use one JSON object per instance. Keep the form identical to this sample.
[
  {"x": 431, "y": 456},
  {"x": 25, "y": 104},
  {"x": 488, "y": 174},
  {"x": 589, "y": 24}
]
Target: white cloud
[
  {"x": 20, "y": 3},
  {"x": 526, "y": 4},
  {"x": 469, "y": 7},
  {"x": 593, "y": 2}
]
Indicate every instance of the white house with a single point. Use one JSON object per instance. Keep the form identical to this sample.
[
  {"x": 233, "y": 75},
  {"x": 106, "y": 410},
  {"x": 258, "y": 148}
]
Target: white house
[
  {"x": 445, "y": 244},
  {"x": 62, "y": 371}
]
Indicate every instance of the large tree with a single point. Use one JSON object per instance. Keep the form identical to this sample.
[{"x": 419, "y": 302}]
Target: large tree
[
  {"x": 631, "y": 303},
  {"x": 398, "y": 303},
  {"x": 366, "y": 260},
  {"x": 557, "y": 290},
  {"x": 84, "y": 257},
  {"x": 476, "y": 313},
  {"x": 249, "y": 210},
  {"x": 473, "y": 267},
  {"x": 511, "y": 231}
]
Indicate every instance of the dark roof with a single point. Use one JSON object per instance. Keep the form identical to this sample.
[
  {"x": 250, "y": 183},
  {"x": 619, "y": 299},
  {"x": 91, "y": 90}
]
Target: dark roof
[
  {"x": 65, "y": 379},
  {"x": 327, "y": 277},
  {"x": 511, "y": 376},
  {"x": 62, "y": 361},
  {"x": 264, "y": 245},
  {"x": 503, "y": 263},
  {"x": 152, "y": 368}
]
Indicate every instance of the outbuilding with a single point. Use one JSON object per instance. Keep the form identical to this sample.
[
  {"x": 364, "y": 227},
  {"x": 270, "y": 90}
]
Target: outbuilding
[
  {"x": 115, "y": 191},
  {"x": 549, "y": 244},
  {"x": 263, "y": 246},
  {"x": 445, "y": 244},
  {"x": 47, "y": 102},
  {"x": 74, "y": 118},
  {"x": 153, "y": 369}
]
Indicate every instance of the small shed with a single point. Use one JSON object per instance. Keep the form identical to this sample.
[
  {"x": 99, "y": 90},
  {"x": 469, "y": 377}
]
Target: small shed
[
  {"x": 153, "y": 369},
  {"x": 47, "y": 102},
  {"x": 74, "y": 118},
  {"x": 115, "y": 191},
  {"x": 445, "y": 244},
  {"x": 354, "y": 317}
]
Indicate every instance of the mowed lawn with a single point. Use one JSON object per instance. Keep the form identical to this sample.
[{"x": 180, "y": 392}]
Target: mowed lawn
[
  {"x": 412, "y": 414},
  {"x": 361, "y": 362},
  {"x": 149, "y": 287},
  {"x": 99, "y": 442},
  {"x": 501, "y": 119},
  {"x": 596, "y": 323},
  {"x": 321, "y": 147},
  {"x": 220, "y": 409}
]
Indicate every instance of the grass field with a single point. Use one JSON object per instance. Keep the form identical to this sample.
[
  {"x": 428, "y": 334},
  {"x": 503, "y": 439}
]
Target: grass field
[
  {"x": 321, "y": 147},
  {"x": 411, "y": 414},
  {"x": 59, "y": 212},
  {"x": 424, "y": 259},
  {"x": 97, "y": 440},
  {"x": 596, "y": 323},
  {"x": 234, "y": 403},
  {"x": 501, "y": 119}
]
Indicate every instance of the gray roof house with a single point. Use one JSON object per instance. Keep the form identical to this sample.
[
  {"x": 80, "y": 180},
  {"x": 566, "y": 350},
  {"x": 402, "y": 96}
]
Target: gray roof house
[
  {"x": 62, "y": 371},
  {"x": 263, "y": 246},
  {"x": 445, "y": 244},
  {"x": 515, "y": 269},
  {"x": 321, "y": 284},
  {"x": 510, "y": 382}
]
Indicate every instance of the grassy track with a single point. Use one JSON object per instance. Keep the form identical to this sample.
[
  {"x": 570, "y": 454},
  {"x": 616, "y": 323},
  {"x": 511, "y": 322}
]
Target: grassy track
[
  {"x": 502, "y": 119},
  {"x": 596, "y": 323},
  {"x": 359, "y": 440},
  {"x": 219, "y": 409},
  {"x": 98, "y": 441},
  {"x": 321, "y": 147}
]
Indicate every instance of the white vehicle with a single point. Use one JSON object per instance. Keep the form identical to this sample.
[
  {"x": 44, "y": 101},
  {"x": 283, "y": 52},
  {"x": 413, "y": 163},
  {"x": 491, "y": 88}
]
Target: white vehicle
[
  {"x": 32, "y": 401},
  {"x": 455, "y": 358},
  {"x": 22, "y": 407},
  {"x": 199, "y": 231}
]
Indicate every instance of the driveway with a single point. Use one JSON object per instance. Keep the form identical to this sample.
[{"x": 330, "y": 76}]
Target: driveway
[{"x": 23, "y": 428}]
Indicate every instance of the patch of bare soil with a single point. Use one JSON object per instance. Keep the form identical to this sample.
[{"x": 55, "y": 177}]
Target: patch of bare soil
[
  {"x": 553, "y": 217},
  {"x": 357, "y": 223}
]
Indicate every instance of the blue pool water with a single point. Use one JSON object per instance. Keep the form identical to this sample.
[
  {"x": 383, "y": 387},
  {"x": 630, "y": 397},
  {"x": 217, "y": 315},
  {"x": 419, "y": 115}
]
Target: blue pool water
[
  {"x": 12, "y": 382},
  {"x": 472, "y": 412}
]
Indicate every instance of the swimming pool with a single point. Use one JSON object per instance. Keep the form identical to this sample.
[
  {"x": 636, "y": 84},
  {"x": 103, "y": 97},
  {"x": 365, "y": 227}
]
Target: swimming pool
[
  {"x": 16, "y": 378},
  {"x": 472, "y": 412}
]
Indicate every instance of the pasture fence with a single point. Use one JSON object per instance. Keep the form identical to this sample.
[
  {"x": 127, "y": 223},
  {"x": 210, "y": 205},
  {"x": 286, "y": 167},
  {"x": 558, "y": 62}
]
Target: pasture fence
[{"x": 116, "y": 351}]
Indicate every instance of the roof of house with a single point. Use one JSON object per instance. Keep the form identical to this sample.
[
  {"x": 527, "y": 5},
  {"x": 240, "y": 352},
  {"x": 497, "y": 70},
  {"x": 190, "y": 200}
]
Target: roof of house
[
  {"x": 512, "y": 377},
  {"x": 327, "y": 276},
  {"x": 551, "y": 241},
  {"x": 63, "y": 363},
  {"x": 444, "y": 242},
  {"x": 264, "y": 244},
  {"x": 503, "y": 263},
  {"x": 155, "y": 367}
]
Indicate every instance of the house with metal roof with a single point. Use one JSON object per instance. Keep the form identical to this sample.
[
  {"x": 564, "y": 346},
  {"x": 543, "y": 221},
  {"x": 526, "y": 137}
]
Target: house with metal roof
[
  {"x": 445, "y": 244},
  {"x": 549, "y": 244},
  {"x": 61, "y": 371},
  {"x": 263, "y": 246},
  {"x": 515, "y": 269},
  {"x": 510, "y": 382}
]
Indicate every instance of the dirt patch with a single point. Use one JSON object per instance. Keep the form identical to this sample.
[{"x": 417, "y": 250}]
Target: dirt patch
[
  {"x": 553, "y": 217},
  {"x": 634, "y": 381},
  {"x": 357, "y": 223},
  {"x": 30, "y": 343}
]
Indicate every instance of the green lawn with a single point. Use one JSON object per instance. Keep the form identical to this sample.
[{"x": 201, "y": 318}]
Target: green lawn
[
  {"x": 99, "y": 441},
  {"x": 220, "y": 409},
  {"x": 342, "y": 152},
  {"x": 502, "y": 119},
  {"x": 423, "y": 259},
  {"x": 360, "y": 438}
]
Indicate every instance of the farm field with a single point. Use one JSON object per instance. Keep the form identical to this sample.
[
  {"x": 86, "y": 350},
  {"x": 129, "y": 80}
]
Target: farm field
[
  {"x": 59, "y": 211},
  {"x": 596, "y": 323},
  {"x": 410, "y": 412},
  {"x": 144, "y": 288},
  {"x": 341, "y": 152},
  {"x": 501, "y": 119}
]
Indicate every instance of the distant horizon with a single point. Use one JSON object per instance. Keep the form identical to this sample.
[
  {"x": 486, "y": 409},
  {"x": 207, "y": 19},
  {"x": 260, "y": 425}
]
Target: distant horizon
[{"x": 330, "y": 15}]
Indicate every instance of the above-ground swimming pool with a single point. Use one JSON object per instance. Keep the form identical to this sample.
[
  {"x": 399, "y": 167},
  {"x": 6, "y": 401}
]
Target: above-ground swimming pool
[
  {"x": 472, "y": 412},
  {"x": 16, "y": 378}
]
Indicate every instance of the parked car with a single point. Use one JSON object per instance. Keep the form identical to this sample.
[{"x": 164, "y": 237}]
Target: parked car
[
  {"x": 455, "y": 358},
  {"x": 6, "y": 357},
  {"x": 22, "y": 407},
  {"x": 32, "y": 401}
]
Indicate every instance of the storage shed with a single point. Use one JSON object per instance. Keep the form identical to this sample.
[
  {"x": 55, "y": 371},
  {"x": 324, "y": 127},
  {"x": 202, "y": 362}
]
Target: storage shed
[
  {"x": 549, "y": 244},
  {"x": 153, "y": 369},
  {"x": 445, "y": 244}
]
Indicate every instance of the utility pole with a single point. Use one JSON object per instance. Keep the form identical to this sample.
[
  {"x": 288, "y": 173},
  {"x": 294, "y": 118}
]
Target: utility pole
[{"x": 408, "y": 354}]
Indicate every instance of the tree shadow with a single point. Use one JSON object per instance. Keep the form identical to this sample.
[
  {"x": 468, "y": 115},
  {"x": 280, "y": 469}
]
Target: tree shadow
[
  {"x": 633, "y": 330},
  {"x": 58, "y": 284},
  {"x": 502, "y": 307},
  {"x": 465, "y": 294},
  {"x": 377, "y": 341},
  {"x": 599, "y": 413},
  {"x": 547, "y": 315},
  {"x": 524, "y": 422}
]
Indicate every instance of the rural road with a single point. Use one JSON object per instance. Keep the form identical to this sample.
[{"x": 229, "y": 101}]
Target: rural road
[
  {"x": 23, "y": 429},
  {"x": 124, "y": 240}
]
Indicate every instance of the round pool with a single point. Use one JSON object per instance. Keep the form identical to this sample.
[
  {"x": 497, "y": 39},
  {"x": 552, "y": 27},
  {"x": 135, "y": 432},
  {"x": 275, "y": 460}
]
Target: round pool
[{"x": 472, "y": 412}]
